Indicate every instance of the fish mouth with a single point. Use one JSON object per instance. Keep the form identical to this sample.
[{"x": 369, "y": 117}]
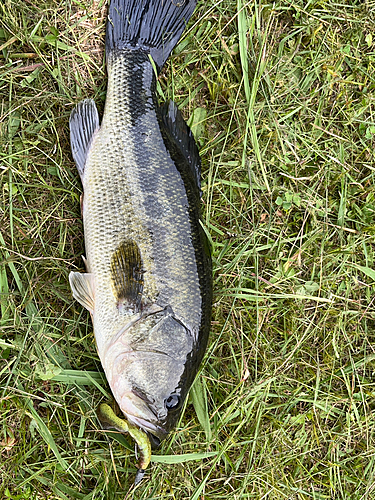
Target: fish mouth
[
  {"x": 157, "y": 432},
  {"x": 139, "y": 410}
]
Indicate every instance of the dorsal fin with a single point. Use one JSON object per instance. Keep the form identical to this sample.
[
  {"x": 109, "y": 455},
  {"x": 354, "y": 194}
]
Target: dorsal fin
[
  {"x": 127, "y": 275},
  {"x": 83, "y": 123},
  {"x": 183, "y": 138}
]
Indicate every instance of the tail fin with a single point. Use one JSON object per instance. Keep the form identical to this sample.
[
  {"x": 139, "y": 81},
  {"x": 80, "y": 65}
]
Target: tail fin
[{"x": 154, "y": 26}]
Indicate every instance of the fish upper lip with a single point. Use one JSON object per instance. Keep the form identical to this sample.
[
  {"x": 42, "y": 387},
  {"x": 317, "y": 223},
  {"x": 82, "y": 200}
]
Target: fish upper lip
[
  {"x": 149, "y": 402},
  {"x": 141, "y": 395}
]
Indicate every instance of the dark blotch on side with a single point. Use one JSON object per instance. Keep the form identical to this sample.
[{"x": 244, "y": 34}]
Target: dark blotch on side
[
  {"x": 127, "y": 274},
  {"x": 180, "y": 145}
]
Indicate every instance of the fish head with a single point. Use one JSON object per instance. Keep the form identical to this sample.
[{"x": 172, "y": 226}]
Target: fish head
[{"x": 154, "y": 365}]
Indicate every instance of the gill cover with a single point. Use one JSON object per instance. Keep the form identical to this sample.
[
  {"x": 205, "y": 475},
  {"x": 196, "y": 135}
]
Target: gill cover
[{"x": 151, "y": 378}]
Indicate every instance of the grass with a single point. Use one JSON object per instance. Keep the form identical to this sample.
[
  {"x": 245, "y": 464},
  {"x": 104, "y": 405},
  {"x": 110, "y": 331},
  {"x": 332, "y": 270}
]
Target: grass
[{"x": 281, "y": 98}]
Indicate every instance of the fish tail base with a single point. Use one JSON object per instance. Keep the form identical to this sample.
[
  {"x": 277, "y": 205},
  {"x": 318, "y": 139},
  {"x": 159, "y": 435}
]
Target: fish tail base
[{"x": 154, "y": 26}]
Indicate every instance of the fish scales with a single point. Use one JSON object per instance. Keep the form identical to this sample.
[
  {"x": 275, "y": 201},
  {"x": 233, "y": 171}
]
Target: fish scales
[
  {"x": 148, "y": 284},
  {"x": 133, "y": 190}
]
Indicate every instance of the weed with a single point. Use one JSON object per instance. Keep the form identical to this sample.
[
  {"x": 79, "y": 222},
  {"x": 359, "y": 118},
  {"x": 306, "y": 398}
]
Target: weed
[{"x": 280, "y": 96}]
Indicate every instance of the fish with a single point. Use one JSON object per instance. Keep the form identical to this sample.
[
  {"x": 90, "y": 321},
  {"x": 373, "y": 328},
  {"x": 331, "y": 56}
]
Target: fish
[{"x": 148, "y": 279}]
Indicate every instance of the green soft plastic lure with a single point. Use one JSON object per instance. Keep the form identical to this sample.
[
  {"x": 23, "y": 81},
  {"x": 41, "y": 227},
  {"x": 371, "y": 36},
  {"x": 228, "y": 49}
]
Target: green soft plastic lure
[{"x": 109, "y": 420}]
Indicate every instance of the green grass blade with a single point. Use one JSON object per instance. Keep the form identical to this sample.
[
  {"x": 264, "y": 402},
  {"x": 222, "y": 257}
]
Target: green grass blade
[
  {"x": 180, "y": 459},
  {"x": 46, "y": 434},
  {"x": 242, "y": 38},
  {"x": 198, "y": 394}
]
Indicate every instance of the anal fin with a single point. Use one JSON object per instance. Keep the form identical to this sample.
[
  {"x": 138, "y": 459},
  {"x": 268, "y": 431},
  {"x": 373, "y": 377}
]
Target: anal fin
[{"x": 82, "y": 285}]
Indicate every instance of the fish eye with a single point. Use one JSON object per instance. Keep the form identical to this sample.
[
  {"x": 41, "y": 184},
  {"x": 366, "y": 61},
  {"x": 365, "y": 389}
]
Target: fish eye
[{"x": 173, "y": 402}]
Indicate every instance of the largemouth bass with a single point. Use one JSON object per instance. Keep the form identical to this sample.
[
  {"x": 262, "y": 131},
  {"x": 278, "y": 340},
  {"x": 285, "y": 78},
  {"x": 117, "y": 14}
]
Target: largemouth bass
[{"x": 148, "y": 284}]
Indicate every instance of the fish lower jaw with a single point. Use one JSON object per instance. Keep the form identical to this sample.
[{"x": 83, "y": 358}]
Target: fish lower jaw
[
  {"x": 136, "y": 411},
  {"x": 147, "y": 426}
]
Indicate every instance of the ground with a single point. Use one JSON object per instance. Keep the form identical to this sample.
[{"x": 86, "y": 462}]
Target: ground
[{"x": 280, "y": 97}]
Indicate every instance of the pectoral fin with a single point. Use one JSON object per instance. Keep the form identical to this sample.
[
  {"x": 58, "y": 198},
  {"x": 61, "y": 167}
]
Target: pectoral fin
[
  {"x": 82, "y": 285},
  {"x": 127, "y": 275}
]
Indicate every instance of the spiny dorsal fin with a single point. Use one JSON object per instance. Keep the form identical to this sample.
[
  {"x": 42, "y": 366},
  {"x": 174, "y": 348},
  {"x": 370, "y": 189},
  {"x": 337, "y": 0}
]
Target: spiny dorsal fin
[
  {"x": 183, "y": 138},
  {"x": 83, "y": 123},
  {"x": 82, "y": 285},
  {"x": 127, "y": 275}
]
